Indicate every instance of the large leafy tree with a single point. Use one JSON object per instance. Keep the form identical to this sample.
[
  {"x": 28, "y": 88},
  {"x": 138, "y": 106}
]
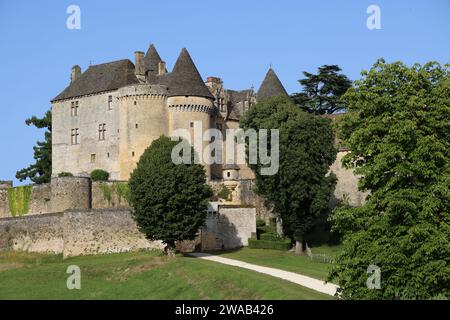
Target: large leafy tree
[
  {"x": 169, "y": 200},
  {"x": 397, "y": 128},
  {"x": 301, "y": 188},
  {"x": 322, "y": 92},
  {"x": 41, "y": 170}
]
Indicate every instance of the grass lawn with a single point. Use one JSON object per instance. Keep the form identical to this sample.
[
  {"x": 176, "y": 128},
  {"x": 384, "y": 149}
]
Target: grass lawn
[
  {"x": 286, "y": 260},
  {"x": 139, "y": 275}
]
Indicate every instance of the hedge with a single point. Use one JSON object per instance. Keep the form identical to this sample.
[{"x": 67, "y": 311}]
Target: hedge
[
  {"x": 270, "y": 236},
  {"x": 99, "y": 175},
  {"x": 266, "y": 244}
]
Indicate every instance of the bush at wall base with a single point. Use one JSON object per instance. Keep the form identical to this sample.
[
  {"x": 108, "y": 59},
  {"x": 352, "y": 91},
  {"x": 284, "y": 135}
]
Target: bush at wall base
[
  {"x": 267, "y": 244},
  {"x": 64, "y": 174},
  {"x": 99, "y": 175}
]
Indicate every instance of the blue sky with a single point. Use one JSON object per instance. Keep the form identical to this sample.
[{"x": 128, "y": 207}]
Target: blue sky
[{"x": 235, "y": 40}]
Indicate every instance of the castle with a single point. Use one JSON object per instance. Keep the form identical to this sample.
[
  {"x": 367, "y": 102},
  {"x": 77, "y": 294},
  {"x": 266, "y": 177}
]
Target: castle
[
  {"x": 111, "y": 113},
  {"x": 105, "y": 119}
]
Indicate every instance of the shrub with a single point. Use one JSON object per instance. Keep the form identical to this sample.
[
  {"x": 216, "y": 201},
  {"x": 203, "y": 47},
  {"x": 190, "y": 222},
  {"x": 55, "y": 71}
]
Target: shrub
[
  {"x": 260, "y": 223},
  {"x": 99, "y": 175},
  {"x": 266, "y": 244},
  {"x": 224, "y": 193},
  {"x": 270, "y": 236},
  {"x": 65, "y": 174},
  {"x": 265, "y": 229}
]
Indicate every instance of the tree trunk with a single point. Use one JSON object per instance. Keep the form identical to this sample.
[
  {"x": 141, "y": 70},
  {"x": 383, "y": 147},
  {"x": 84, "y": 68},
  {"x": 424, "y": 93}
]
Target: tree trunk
[{"x": 298, "y": 247}]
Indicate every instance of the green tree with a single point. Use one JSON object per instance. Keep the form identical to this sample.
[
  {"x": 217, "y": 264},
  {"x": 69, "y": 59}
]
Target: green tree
[
  {"x": 397, "y": 128},
  {"x": 169, "y": 200},
  {"x": 41, "y": 170},
  {"x": 322, "y": 91},
  {"x": 301, "y": 188}
]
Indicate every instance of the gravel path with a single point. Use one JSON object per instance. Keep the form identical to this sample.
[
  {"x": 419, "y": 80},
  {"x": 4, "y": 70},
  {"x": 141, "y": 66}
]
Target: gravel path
[{"x": 308, "y": 282}]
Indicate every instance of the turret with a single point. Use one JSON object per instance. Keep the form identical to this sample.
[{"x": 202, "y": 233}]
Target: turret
[
  {"x": 190, "y": 101},
  {"x": 271, "y": 86}
]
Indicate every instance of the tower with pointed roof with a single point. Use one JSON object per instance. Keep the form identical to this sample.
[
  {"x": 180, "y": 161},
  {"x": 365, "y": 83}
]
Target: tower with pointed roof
[
  {"x": 271, "y": 86},
  {"x": 110, "y": 113}
]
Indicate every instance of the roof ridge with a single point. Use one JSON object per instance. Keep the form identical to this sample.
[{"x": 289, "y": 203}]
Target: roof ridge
[{"x": 111, "y": 62}]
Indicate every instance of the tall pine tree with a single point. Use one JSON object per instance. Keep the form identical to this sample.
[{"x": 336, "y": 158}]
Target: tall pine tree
[
  {"x": 41, "y": 170},
  {"x": 322, "y": 91}
]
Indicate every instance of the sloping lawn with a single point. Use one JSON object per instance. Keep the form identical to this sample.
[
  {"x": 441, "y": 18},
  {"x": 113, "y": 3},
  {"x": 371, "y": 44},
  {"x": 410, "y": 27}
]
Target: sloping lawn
[
  {"x": 286, "y": 260},
  {"x": 140, "y": 275}
]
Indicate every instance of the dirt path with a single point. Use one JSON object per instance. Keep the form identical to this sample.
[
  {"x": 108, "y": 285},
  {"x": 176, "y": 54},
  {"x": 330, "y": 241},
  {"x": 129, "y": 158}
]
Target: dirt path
[{"x": 308, "y": 282}]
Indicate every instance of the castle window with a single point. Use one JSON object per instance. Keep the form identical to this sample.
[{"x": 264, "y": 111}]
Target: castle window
[
  {"x": 192, "y": 124},
  {"x": 132, "y": 154},
  {"x": 107, "y": 155},
  {"x": 74, "y": 108},
  {"x": 221, "y": 104},
  {"x": 137, "y": 125},
  {"x": 93, "y": 158},
  {"x": 110, "y": 100},
  {"x": 101, "y": 131},
  {"x": 135, "y": 102},
  {"x": 74, "y": 136},
  {"x": 228, "y": 174}
]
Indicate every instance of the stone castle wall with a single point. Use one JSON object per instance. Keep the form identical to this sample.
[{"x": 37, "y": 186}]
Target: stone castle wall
[
  {"x": 38, "y": 233},
  {"x": 40, "y": 200},
  {"x": 347, "y": 184},
  {"x": 69, "y": 193},
  {"x": 86, "y": 232},
  {"x": 74, "y": 232},
  {"x": 229, "y": 228},
  {"x": 105, "y": 195},
  {"x": 59, "y": 195},
  {"x": 90, "y": 152}
]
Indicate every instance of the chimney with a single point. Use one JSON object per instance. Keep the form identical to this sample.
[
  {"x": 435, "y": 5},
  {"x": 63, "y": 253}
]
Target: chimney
[
  {"x": 76, "y": 73},
  {"x": 214, "y": 80},
  {"x": 139, "y": 63},
  {"x": 161, "y": 68},
  {"x": 213, "y": 83}
]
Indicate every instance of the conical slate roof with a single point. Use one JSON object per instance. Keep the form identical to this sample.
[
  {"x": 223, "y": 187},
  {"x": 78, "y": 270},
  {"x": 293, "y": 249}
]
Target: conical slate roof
[
  {"x": 151, "y": 61},
  {"x": 271, "y": 86},
  {"x": 185, "y": 80}
]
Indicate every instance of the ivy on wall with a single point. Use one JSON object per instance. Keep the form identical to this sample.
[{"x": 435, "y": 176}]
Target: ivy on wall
[
  {"x": 224, "y": 193},
  {"x": 19, "y": 200},
  {"x": 107, "y": 192},
  {"x": 121, "y": 189}
]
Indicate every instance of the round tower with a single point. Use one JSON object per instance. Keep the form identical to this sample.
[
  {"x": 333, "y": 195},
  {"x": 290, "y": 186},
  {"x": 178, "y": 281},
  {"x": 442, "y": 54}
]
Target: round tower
[
  {"x": 143, "y": 118},
  {"x": 191, "y": 104}
]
